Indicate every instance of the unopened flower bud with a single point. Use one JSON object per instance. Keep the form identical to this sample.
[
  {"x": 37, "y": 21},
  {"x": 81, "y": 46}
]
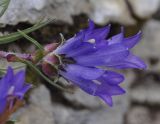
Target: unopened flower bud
[{"x": 50, "y": 47}]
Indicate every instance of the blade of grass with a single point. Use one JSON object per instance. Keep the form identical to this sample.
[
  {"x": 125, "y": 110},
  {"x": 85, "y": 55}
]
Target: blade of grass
[
  {"x": 45, "y": 77},
  {"x": 4, "y": 5},
  {"x": 15, "y": 36},
  {"x": 31, "y": 40}
]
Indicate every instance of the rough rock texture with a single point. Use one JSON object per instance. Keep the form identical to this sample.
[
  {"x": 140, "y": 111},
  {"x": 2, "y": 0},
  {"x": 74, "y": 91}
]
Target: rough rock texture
[
  {"x": 139, "y": 115},
  {"x": 111, "y": 10},
  {"x": 144, "y": 8},
  {"x": 101, "y": 11},
  {"x": 143, "y": 115},
  {"x": 147, "y": 90},
  {"x": 39, "y": 111},
  {"x": 80, "y": 98},
  {"x": 34, "y": 10}
]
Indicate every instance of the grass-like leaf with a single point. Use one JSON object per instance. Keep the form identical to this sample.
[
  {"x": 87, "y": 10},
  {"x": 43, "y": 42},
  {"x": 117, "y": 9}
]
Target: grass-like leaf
[
  {"x": 45, "y": 77},
  {"x": 3, "y": 6},
  {"x": 15, "y": 36},
  {"x": 31, "y": 40}
]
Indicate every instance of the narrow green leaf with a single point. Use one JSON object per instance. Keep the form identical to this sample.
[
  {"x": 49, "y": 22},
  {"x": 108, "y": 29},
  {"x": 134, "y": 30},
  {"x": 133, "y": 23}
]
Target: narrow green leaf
[
  {"x": 31, "y": 40},
  {"x": 3, "y": 6},
  {"x": 11, "y": 122},
  {"x": 44, "y": 77},
  {"x": 15, "y": 36}
]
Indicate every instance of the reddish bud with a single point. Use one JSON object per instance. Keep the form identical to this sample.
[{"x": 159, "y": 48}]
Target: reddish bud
[
  {"x": 50, "y": 47},
  {"x": 48, "y": 69},
  {"x": 11, "y": 58},
  {"x": 51, "y": 59}
]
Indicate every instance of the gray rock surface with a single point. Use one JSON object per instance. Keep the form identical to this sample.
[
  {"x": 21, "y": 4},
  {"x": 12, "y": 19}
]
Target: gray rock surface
[
  {"x": 100, "y": 115},
  {"x": 147, "y": 92},
  {"x": 143, "y": 115},
  {"x": 42, "y": 110},
  {"x": 139, "y": 115},
  {"x": 33, "y": 10},
  {"x": 80, "y": 98},
  {"x": 39, "y": 111},
  {"x": 144, "y": 8},
  {"x": 101, "y": 11},
  {"x": 111, "y": 10}
]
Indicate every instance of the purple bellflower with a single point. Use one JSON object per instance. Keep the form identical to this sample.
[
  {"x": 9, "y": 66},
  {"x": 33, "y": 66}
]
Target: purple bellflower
[
  {"x": 12, "y": 90},
  {"x": 85, "y": 57}
]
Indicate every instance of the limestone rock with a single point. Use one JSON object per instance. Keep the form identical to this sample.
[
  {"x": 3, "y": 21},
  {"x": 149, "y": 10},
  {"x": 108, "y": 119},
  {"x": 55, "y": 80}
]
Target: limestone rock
[
  {"x": 100, "y": 115},
  {"x": 111, "y": 10},
  {"x": 139, "y": 115},
  {"x": 40, "y": 109},
  {"x": 143, "y": 115},
  {"x": 147, "y": 91},
  {"x": 33, "y": 10},
  {"x": 101, "y": 11},
  {"x": 80, "y": 98},
  {"x": 144, "y": 8}
]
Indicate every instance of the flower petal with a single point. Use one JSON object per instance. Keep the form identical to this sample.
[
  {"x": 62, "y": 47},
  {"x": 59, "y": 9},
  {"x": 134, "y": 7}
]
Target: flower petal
[
  {"x": 108, "y": 99},
  {"x": 6, "y": 82},
  {"x": 101, "y": 60},
  {"x": 130, "y": 42},
  {"x": 116, "y": 38},
  {"x": 131, "y": 61},
  {"x": 111, "y": 77},
  {"x": 91, "y": 25},
  {"x": 2, "y": 105},
  {"x": 19, "y": 80},
  {"x": 21, "y": 93},
  {"x": 70, "y": 44},
  {"x": 84, "y": 72},
  {"x": 84, "y": 84},
  {"x": 96, "y": 89}
]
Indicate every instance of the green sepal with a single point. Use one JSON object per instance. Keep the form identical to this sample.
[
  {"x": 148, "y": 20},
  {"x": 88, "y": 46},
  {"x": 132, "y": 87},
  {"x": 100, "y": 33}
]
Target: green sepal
[{"x": 54, "y": 83}]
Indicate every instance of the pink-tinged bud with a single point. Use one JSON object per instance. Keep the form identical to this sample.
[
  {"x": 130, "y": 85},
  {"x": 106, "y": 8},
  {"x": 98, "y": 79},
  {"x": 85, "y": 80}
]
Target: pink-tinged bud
[
  {"x": 51, "y": 59},
  {"x": 50, "y": 47},
  {"x": 48, "y": 69},
  {"x": 49, "y": 63},
  {"x": 14, "y": 57},
  {"x": 11, "y": 58}
]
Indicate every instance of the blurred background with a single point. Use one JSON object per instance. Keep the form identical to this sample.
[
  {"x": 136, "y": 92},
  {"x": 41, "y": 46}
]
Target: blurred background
[{"x": 47, "y": 105}]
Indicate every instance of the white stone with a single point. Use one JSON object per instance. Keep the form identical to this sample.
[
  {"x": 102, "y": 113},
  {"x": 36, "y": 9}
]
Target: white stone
[
  {"x": 144, "y": 8},
  {"x": 33, "y": 10},
  {"x": 110, "y": 10}
]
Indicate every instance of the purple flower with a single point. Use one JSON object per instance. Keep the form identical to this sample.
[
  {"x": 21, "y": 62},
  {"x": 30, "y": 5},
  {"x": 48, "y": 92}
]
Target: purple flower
[
  {"x": 12, "y": 87},
  {"x": 85, "y": 57}
]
